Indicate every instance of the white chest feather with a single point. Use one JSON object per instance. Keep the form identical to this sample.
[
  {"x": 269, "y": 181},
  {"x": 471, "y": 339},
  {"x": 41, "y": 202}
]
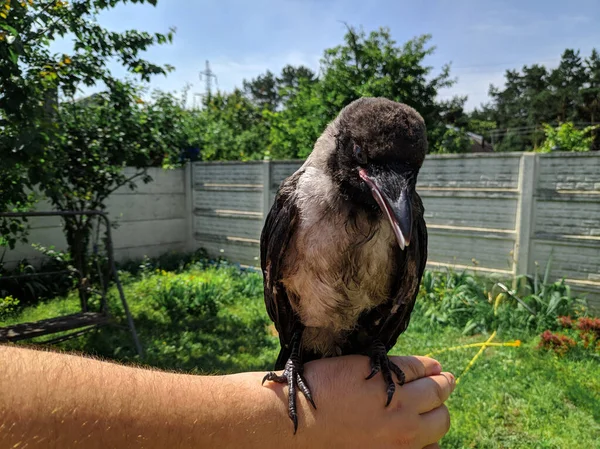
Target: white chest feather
[{"x": 341, "y": 263}]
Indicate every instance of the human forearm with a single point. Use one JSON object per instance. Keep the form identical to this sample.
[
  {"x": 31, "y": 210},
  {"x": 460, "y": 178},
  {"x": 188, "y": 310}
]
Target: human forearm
[
  {"x": 63, "y": 400},
  {"x": 57, "y": 400}
]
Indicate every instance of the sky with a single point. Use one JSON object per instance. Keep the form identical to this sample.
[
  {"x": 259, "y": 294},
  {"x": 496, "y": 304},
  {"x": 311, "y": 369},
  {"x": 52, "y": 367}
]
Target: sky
[{"x": 244, "y": 38}]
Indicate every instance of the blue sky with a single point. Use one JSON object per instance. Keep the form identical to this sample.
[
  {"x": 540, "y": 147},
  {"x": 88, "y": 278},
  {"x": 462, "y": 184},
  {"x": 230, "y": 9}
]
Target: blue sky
[{"x": 243, "y": 38}]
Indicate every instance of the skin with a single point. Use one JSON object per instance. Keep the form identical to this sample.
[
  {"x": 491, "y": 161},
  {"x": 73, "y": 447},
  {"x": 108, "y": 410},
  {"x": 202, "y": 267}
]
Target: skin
[{"x": 53, "y": 400}]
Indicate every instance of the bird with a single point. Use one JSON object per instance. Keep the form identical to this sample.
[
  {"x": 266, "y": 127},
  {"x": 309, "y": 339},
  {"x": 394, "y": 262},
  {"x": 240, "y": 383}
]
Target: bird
[{"x": 344, "y": 245}]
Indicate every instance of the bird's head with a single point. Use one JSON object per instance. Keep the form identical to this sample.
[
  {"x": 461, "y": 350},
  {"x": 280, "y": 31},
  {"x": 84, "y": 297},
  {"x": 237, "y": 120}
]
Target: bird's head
[{"x": 379, "y": 148}]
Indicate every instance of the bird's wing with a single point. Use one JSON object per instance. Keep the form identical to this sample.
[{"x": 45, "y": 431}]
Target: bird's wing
[
  {"x": 279, "y": 227},
  {"x": 387, "y": 321}
]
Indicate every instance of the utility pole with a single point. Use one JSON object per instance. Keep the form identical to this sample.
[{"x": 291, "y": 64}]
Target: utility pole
[{"x": 208, "y": 75}]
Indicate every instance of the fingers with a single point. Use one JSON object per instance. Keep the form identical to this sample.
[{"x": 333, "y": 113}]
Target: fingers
[
  {"x": 435, "y": 425},
  {"x": 432, "y": 446},
  {"x": 417, "y": 367},
  {"x": 428, "y": 393}
]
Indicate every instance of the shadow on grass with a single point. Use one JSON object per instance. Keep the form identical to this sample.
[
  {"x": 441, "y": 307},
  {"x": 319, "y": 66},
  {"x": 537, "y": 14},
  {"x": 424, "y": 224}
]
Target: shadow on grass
[{"x": 582, "y": 391}]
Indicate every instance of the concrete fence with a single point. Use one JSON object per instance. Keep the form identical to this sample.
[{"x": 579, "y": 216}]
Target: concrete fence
[
  {"x": 504, "y": 213},
  {"x": 509, "y": 213},
  {"x": 151, "y": 220}
]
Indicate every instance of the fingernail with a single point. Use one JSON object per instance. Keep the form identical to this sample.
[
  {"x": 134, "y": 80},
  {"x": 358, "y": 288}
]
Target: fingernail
[
  {"x": 437, "y": 368},
  {"x": 452, "y": 381}
]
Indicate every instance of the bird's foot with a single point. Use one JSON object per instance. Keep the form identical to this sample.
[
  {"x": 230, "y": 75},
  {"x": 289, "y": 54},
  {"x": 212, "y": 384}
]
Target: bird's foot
[
  {"x": 381, "y": 362},
  {"x": 294, "y": 377}
]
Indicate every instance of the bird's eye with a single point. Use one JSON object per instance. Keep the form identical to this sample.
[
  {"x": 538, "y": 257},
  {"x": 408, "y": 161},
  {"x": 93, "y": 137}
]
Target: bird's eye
[{"x": 360, "y": 155}]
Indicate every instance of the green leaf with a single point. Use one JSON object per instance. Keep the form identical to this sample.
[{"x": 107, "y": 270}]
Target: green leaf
[
  {"x": 14, "y": 57},
  {"x": 10, "y": 29}
]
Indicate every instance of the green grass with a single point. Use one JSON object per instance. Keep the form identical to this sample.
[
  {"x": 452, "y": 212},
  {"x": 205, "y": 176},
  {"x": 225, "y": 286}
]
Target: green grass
[
  {"x": 212, "y": 320},
  {"x": 515, "y": 397}
]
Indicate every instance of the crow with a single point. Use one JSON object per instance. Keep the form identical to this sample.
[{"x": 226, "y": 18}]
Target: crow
[{"x": 344, "y": 245}]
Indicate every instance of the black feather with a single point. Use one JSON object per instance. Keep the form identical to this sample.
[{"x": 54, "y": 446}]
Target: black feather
[{"x": 279, "y": 227}]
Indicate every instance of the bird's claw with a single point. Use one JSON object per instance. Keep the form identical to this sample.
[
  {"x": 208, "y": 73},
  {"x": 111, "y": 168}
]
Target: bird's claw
[
  {"x": 294, "y": 377},
  {"x": 380, "y": 362}
]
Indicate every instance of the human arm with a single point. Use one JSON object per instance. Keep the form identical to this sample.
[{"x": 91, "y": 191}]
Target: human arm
[{"x": 50, "y": 399}]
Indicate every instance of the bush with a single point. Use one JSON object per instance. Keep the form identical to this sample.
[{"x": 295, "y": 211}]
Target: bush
[
  {"x": 208, "y": 318},
  {"x": 567, "y": 138},
  {"x": 475, "y": 304},
  {"x": 454, "y": 299},
  {"x": 584, "y": 332},
  {"x": 171, "y": 261},
  {"x": 31, "y": 290},
  {"x": 8, "y": 307},
  {"x": 558, "y": 343}
]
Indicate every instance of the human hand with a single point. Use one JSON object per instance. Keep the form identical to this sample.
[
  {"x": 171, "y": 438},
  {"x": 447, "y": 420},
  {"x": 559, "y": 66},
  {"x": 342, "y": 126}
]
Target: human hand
[{"x": 351, "y": 411}]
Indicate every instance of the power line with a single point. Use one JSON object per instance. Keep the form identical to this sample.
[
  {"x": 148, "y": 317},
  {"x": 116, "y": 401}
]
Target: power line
[{"x": 527, "y": 131}]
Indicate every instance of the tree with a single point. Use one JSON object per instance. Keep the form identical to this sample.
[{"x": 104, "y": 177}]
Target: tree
[
  {"x": 263, "y": 91},
  {"x": 95, "y": 139},
  {"x": 232, "y": 128},
  {"x": 523, "y": 105},
  {"x": 451, "y": 140},
  {"x": 294, "y": 130},
  {"x": 535, "y": 95},
  {"x": 72, "y": 151},
  {"x": 375, "y": 65},
  {"x": 590, "y": 95},
  {"x": 372, "y": 65},
  {"x": 566, "y": 81},
  {"x": 269, "y": 92},
  {"x": 481, "y": 127},
  {"x": 94, "y": 142},
  {"x": 292, "y": 79},
  {"x": 32, "y": 78},
  {"x": 567, "y": 138}
]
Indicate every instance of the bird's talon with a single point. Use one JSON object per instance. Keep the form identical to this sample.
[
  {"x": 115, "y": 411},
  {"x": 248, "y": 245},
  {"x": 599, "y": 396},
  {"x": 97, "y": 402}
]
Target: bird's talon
[
  {"x": 381, "y": 362},
  {"x": 303, "y": 386},
  {"x": 292, "y": 375},
  {"x": 294, "y": 418},
  {"x": 399, "y": 373},
  {"x": 373, "y": 373},
  {"x": 390, "y": 393},
  {"x": 274, "y": 378}
]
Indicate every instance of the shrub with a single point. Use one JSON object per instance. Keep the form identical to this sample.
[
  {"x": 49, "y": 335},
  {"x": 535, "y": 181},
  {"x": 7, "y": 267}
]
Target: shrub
[
  {"x": 8, "y": 307},
  {"x": 476, "y": 304},
  {"x": 589, "y": 326},
  {"x": 559, "y": 343},
  {"x": 454, "y": 299},
  {"x": 30, "y": 290},
  {"x": 171, "y": 261},
  {"x": 208, "y": 318},
  {"x": 587, "y": 329},
  {"x": 566, "y": 137}
]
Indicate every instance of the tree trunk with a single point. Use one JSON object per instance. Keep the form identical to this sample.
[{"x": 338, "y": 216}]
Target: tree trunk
[{"x": 78, "y": 236}]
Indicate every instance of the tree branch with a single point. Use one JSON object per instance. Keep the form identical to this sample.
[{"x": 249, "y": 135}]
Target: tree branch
[{"x": 128, "y": 180}]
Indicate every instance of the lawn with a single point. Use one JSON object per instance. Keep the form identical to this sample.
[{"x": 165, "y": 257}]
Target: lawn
[{"x": 211, "y": 319}]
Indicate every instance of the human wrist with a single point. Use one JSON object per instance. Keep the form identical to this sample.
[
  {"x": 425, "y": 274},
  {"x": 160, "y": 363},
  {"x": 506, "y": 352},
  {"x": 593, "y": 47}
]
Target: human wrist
[{"x": 243, "y": 413}]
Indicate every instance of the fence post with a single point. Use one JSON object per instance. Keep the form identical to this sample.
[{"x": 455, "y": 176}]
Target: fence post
[
  {"x": 266, "y": 189},
  {"x": 188, "y": 180},
  {"x": 525, "y": 211}
]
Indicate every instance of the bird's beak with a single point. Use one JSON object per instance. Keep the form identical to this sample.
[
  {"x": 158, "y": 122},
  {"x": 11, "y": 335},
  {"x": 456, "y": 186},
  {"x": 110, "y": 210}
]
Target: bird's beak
[{"x": 393, "y": 195}]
